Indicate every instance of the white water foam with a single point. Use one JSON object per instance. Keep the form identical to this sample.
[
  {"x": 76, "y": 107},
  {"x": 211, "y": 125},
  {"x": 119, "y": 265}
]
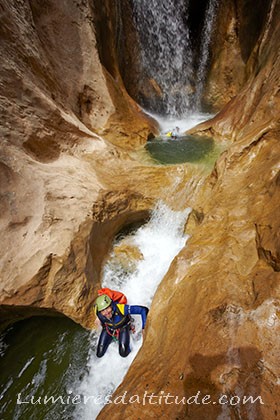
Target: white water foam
[
  {"x": 169, "y": 123},
  {"x": 159, "y": 241}
]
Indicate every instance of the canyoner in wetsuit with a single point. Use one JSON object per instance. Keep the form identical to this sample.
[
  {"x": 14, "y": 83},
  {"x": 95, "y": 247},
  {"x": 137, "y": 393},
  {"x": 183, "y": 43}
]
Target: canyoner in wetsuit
[{"x": 116, "y": 323}]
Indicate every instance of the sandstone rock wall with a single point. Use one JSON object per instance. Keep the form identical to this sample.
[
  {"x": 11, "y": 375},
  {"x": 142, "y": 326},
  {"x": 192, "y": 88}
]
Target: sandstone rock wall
[
  {"x": 214, "y": 324},
  {"x": 56, "y": 96},
  {"x": 254, "y": 111},
  {"x": 239, "y": 27}
]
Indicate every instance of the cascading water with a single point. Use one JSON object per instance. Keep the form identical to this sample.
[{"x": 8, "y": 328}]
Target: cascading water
[
  {"x": 166, "y": 51},
  {"x": 60, "y": 364},
  {"x": 158, "y": 242},
  {"x": 206, "y": 37},
  {"x": 62, "y": 361}
]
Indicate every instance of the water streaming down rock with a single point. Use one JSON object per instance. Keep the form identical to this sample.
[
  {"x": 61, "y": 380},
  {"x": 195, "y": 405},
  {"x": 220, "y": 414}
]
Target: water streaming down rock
[
  {"x": 159, "y": 241},
  {"x": 204, "y": 51},
  {"x": 166, "y": 53}
]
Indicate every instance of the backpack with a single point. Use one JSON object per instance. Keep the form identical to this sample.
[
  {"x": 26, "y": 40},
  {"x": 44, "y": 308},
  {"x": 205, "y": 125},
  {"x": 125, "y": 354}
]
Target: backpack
[{"x": 117, "y": 297}]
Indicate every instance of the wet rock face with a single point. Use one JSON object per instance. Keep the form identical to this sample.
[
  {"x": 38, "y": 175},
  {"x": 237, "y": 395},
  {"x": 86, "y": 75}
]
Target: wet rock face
[
  {"x": 215, "y": 316},
  {"x": 252, "y": 113},
  {"x": 238, "y": 29},
  {"x": 252, "y": 17},
  {"x": 226, "y": 68}
]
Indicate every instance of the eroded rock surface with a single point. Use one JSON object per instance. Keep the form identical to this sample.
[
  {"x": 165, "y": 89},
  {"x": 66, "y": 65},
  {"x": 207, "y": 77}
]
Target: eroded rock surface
[
  {"x": 239, "y": 27},
  {"x": 214, "y": 323},
  {"x": 56, "y": 98},
  {"x": 68, "y": 184}
]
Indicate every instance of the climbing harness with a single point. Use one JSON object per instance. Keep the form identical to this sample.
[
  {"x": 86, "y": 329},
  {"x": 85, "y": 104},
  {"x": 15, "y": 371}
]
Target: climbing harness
[{"x": 115, "y": 334}]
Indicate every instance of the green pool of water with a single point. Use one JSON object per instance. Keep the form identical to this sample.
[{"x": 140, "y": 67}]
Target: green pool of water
[
  {"x": 180, "y": 150},
  {"x": 41, "y": 357}
]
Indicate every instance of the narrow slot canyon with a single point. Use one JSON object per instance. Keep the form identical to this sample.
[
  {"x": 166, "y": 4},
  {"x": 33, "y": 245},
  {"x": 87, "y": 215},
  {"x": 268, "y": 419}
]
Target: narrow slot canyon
[{"x": 140, "y": 152}]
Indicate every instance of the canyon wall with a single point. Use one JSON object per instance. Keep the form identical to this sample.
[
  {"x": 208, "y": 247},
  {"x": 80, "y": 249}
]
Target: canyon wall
[
  {"x": 61, "y": 112},
  {"x": 239, "y": 26},
  {"x": 68, "y": 184},
  {"x": 213, "y": 328}
]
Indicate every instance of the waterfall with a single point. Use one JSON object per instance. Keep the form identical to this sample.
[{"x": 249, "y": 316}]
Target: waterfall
[
  {"x": 206, "y": 37},
  {"x": 166, "y": 52},
  {"x": 167, "y": 55},
  {"x": 159, "y": 241}
]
